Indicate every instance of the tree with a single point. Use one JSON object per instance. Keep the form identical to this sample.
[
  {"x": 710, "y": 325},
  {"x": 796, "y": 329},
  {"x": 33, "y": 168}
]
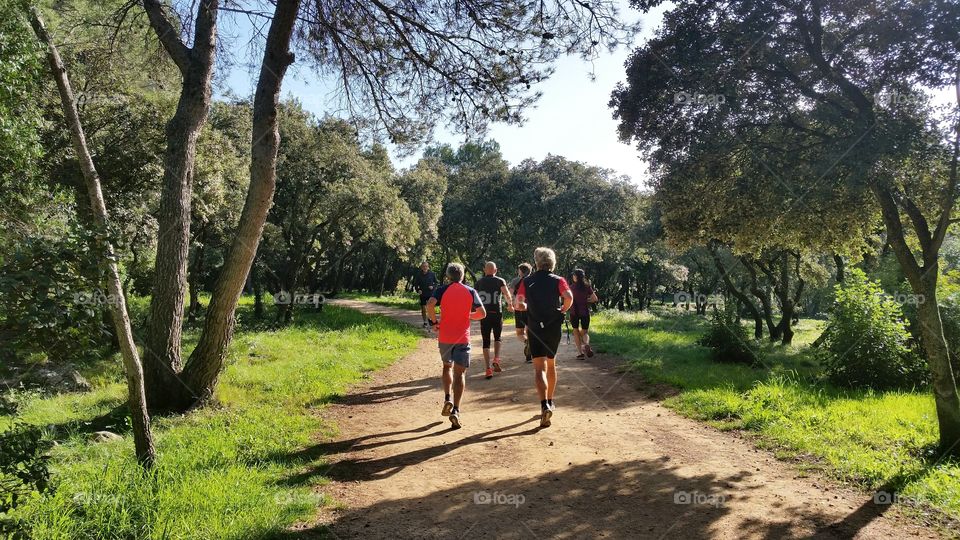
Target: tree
[
  {"x": 142, "y": 436},
  {"x": 841, "y": 84}
]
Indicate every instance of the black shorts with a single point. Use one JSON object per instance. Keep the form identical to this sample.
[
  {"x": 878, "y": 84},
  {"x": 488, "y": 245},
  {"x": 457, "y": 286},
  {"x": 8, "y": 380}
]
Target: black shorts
[
  {"x": 520, "y": 319},
  {"x": 580, "y": 320},
  {"x": 544, "y": 340},
  {"x": 424, "y": 298},
  {"x": 493, "y": 322}
]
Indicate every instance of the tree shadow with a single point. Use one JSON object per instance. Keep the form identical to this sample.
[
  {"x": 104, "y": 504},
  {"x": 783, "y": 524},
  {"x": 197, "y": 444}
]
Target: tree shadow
[
  {"x": 382, "y": 394},
  {"x": 597, "y": 499}
]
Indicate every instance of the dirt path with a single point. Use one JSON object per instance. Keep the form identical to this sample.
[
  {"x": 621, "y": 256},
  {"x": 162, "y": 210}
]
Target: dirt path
[{"x": 613, "y": 465}]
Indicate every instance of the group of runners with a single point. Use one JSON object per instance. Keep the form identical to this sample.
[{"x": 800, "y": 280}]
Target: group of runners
[{"x": 540, "y": 301}]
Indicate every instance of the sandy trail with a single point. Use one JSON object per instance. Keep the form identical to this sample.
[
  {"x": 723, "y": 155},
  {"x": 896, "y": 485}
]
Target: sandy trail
[{"x": 615, "y": 464}]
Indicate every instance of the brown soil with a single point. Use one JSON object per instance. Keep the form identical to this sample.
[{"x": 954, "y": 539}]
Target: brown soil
[{"x": 615, "y": 464}]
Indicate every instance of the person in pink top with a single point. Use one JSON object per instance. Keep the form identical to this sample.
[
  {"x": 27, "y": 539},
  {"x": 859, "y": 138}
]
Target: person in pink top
[{"x": 459, "y": 304}]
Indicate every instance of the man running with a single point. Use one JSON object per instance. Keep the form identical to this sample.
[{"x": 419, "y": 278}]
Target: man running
[
  {"x": 459, "y": 305},
  {"x": 492, "y": 290},
  {"x": 520, "y": 317},
  {"x": 546, "y": 298},
  {"x": 424, "y": 283}
]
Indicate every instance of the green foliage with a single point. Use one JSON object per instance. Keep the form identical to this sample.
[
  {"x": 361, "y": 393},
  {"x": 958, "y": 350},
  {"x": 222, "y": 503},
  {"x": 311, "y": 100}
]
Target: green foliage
[
  {"x": 21, "y": 72},
  {"x": 51, "y": 300},
  {"x": 729, "y": 340},
  {"x": 24, "y": 471},
  {"x": 866, "y": 344}
]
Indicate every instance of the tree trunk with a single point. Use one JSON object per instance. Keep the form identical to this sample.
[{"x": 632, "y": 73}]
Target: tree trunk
[
  {"x": 739, "y": 294},
  {"x": 140, "y": 418},
  {"x": 923, "y": 281},
  {"x": 162, "y": 354},
  {"x": 194, "y": 279},
  {"x": 205, "y": 364}
]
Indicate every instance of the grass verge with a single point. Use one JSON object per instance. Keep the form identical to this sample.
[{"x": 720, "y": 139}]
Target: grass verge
[
  {"x": 876, "y": 440},
  {"x": 234, "y": 470}
]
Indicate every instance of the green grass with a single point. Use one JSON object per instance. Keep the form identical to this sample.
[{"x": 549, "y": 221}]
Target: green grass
[
  {"x": 875, "y": 440},
  {"x": 233, "y": 470}
]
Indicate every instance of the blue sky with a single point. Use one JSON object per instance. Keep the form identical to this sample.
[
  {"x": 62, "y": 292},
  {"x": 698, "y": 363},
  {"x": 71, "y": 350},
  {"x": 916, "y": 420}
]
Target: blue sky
[{"x": 571, "y": 119}]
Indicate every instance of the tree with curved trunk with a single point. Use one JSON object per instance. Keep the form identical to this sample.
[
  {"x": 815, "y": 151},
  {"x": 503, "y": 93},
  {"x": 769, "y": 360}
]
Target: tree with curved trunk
[
  {"x": 136, "y": 400},
  {"x": 828, "y": 99}
]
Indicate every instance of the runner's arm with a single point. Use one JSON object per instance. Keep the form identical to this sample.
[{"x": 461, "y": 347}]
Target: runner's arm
[
  {"x": 567, "y": 297},
  {"x": 505, "y": 291},
  {"x": 431, "y": 308},
  {"x": 593, "y": 298}
]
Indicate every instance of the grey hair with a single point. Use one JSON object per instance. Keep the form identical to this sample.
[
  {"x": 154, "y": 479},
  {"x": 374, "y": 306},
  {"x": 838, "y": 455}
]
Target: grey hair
[
  {"x": 544, "y": 258},
  {"x": 455, "y": 272}
]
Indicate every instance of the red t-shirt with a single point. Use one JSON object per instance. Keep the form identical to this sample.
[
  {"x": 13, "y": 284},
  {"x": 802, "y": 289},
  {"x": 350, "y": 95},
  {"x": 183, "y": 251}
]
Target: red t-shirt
[{"x": 457, "y": 301}]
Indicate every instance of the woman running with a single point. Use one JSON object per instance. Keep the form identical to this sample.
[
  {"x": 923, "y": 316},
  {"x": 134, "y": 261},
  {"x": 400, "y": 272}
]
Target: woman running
[{"x": 583, "y": 296}]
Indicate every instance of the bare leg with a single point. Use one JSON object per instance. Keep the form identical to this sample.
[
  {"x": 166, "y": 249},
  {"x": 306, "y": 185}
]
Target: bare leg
[
  {"x": 459, "y": 383},
  {"x": 540, "y": 376},
  {"x": 486, "y": 358},
  {"x": 578, "y": 339},
  {"x": 423, "y": 313},
  {"x": 496, "y": 349},
  {"x": 551, "y": 365},
  {"x": 585, "y": 337},
  {"x": 447, "y": 378}
]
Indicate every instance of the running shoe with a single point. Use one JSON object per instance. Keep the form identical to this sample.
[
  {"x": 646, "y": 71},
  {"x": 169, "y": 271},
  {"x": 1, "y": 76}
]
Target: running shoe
[
  {"x": 496, "y": 365},
  {"x": 589, "y": 350},
  {"x": 529, "y": 359},
  {"x": 545, "y": 415},
  {"x": 581, "y": 356},
  {"x": 426, "y": 324},
  {"x": 447, "y": 408},
  {"x": 489, "y": 373},
  {"x": 455, "y": 419}
]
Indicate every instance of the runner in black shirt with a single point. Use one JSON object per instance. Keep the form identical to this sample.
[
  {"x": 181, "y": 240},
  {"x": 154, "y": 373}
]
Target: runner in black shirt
[
  {"x": 425, "y": 282},
  {"x": 520, "y": 317},
  {"x": 493, "y": 290},
  {"x": 546, "y": 297}
]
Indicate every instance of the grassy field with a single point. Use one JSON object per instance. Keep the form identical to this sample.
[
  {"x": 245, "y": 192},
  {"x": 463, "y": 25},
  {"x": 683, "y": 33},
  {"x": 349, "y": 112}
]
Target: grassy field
[
  {"x": 240, "y": 469},
  {"x": 883, "y": 441}
]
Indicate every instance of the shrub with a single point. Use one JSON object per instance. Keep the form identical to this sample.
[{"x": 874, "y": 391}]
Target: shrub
[
  {"x": 866, "y": 344},
  {"x": 728, "y": 340},
  {"x": 24, "y": 472}
]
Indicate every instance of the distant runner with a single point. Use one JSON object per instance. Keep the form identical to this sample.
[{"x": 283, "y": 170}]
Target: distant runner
[
  {"x": 583, "y": 296},
  {"x": 546, "y": 297},
  {"x": 520, "y": 317},
  {"x": 492, "y": 291},
  {"x": 425, "y": 283},
  {"x": 458, "y": 305}
]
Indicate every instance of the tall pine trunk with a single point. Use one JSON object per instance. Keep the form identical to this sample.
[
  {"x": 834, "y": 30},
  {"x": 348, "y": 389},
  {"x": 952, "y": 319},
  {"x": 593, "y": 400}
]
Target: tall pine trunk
[
  {"x": 136, "y": 399},
  {"x": 205, "y": 364},
  {"x": 162, "y": 354}
]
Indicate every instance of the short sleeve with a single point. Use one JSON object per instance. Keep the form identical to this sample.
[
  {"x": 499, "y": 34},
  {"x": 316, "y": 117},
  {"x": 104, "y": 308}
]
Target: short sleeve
[
  {"x": 563, "y": 286},
  {"x": 476, "y": 299},
  {"x": 522, "y": 288}
]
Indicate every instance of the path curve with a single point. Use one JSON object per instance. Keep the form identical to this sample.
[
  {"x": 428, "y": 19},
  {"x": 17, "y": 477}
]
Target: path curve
[{"x": 615, "y": 464}]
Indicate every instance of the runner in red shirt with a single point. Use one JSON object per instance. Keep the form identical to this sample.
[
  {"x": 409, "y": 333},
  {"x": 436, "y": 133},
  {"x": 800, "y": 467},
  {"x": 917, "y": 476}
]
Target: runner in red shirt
[{"x": 459, "y": 304}]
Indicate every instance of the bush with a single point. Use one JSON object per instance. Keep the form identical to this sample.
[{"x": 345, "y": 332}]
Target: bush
[
  {"x": 49, "y": 301},
  {"x": 866, "y": 344},
  {"x": 728, "y": 340},
  {"x": 24, "y": 472}
]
